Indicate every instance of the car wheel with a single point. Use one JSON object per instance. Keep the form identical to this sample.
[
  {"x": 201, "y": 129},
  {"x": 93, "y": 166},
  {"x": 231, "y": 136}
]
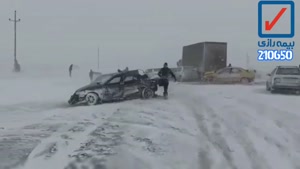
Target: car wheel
[
  {"x": 244, "y": 81},
  {"x": 92, "y": 99},
  {"x": 267, "y": 87},
  {"x": 210, "y": 80},
  {"x": 147, "y": 93}
]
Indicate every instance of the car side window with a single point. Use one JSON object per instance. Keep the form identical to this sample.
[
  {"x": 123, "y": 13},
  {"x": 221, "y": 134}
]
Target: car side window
[
  {"x": 224, "y": 71},
  {"x": 129, "y": 79},
  {"x": 115, "y": 80},
  {"x": 235, "y": 70},
  {"x": 220, "y": 71}
]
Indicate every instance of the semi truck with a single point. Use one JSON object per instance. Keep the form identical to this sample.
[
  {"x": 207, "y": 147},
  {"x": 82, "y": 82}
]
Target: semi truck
[{"x": 205, "y": 56}]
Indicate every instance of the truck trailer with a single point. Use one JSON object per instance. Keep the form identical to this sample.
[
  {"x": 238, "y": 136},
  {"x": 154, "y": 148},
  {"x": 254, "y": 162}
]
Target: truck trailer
[{"x": 205, "y": 56}]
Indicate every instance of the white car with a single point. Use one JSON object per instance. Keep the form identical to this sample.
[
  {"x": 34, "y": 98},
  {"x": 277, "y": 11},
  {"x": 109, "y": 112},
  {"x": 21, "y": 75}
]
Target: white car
[
  {"x": 284, "y": 78},
  {"x": 186, "y": 73}
]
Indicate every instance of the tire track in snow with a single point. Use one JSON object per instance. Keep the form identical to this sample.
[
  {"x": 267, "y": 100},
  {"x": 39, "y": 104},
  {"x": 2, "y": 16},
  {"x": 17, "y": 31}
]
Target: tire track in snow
[
  {"x": 15, "y": 147},
  {"x": 59, "y": 145},
  {"x": 283, "y": 119},
  {"x": 100, "y": 144},
  {"x": 279, "y": 122},
  {"x": 214, "y": 137},
  {"x": 259, "y": 124},
  {"x": 203, "y": 112},
  {"x": 240, "y": 135}
]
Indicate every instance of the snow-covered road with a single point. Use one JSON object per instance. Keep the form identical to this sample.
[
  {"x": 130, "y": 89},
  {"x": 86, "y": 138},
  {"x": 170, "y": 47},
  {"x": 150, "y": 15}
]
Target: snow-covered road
[{"x": 200, "y": 126}]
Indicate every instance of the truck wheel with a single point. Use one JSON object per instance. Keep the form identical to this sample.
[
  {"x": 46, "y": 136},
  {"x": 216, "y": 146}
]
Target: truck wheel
[
  {"x": 213, "y": 80},
  {"x": 92, "y": 99},
  {"x": 147, "y": 93}
]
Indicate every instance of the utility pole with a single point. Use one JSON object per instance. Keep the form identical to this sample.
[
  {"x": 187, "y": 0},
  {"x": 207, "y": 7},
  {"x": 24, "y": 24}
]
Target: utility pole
[
  {"x": 17, "y": 67},
  {"x": 98, "y": 57},
  {"x": 247, "y": 60}
]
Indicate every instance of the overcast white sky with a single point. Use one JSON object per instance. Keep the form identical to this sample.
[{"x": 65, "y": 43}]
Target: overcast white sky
[{"x": 137, "y": 33}]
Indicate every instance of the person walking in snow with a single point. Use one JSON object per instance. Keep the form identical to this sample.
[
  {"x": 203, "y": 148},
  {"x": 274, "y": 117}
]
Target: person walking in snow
[
  {"x": 70, "y": 70},
  {"x": 164, "y": 74},
  {"x": 91, "y": 74},
  {"x": 125, "y": 70}
]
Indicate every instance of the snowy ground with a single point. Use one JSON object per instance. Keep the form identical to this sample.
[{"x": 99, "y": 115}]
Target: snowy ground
[{"x": 200, "y": 126}]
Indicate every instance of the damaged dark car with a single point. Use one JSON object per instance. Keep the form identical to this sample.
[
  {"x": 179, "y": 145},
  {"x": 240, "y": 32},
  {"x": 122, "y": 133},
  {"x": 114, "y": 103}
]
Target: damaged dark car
[{"x": 120, "y": 86}]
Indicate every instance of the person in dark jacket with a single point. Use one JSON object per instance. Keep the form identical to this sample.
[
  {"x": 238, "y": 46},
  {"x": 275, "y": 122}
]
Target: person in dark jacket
[
  {"x": 91, "y": 74},
  {"x": 70, "y": 70},
  {"x": 164, "y": 74}
]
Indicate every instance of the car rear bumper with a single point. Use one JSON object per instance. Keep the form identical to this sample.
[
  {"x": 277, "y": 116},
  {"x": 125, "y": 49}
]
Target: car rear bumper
[
  {"x": 286, "y": 87},
  {"x": 251, "y": 79}
]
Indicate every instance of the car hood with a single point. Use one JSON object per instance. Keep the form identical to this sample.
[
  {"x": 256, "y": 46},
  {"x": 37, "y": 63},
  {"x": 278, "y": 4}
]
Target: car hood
[{"x": 91, "y": 86}]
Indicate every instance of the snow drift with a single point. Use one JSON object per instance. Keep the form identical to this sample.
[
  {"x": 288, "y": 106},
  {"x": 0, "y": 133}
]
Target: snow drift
[{"x": 200, "y": 126}]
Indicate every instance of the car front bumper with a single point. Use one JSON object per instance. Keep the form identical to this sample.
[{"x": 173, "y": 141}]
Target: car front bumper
[{"x": 75, "y": 99}]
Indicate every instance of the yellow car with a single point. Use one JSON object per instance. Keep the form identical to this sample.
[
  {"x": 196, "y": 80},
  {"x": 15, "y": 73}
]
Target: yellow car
[{"x": 230, "y": 75}]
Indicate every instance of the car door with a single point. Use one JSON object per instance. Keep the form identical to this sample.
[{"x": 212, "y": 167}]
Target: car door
[
  {"x": 235, "y": 75},
  {"x": 130, "y": 85},
  {"x": 114, "y": 87},
  {"x": 223, "y": 75}
]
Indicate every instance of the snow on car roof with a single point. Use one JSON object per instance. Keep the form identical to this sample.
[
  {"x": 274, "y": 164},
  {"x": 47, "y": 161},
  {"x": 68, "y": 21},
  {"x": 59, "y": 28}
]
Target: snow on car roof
[
  {"x": 232, "y": 68},
  {"x": 237, "y": 67},
  {"x": 133, "y": 72}
]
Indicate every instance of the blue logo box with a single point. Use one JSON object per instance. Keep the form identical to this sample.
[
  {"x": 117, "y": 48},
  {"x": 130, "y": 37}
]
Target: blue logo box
[{"x": 260, "y": 21}]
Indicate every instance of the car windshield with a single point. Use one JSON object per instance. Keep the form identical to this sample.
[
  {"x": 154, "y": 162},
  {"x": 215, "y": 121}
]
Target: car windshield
[
  {"x": 103, "y": 78},
  {"x": 288, "y": 71}
]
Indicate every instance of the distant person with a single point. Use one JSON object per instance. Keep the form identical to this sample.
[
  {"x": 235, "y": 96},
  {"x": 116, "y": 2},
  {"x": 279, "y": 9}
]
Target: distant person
[
  {"x": 164, "y": 74},
  {"x": 17, "y": 66},
  {"x": 91, "y": 74},
  {"x": 70, "y": 70},
  {"x": 125, "y": 70},
  {"x": 229, "y": 65}
]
